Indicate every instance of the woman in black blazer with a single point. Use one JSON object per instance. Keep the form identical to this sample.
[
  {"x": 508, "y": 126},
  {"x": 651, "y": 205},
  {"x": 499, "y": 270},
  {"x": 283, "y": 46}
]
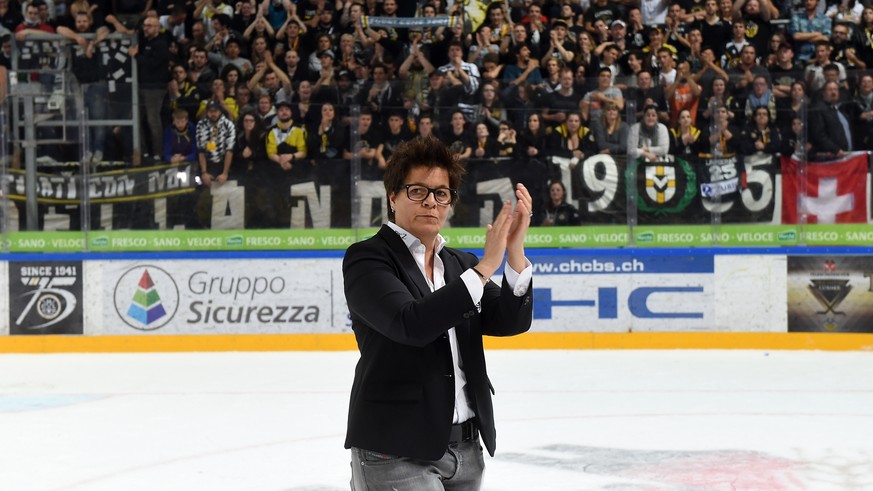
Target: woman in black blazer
[{"x": 421, "y": 395}]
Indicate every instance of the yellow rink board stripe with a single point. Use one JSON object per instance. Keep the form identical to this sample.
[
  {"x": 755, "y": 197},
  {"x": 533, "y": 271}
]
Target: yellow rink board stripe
[{"x": 343, "y": 342}]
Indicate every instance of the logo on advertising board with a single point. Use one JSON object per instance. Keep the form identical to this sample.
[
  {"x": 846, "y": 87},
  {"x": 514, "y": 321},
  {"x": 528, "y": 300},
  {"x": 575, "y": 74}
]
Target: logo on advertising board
[
  {"x": 146, "y": 297},
  {"x": 621, "y": 293},
  {"x": 45, "y": 297},
  {"x": 830, "y": 294}
]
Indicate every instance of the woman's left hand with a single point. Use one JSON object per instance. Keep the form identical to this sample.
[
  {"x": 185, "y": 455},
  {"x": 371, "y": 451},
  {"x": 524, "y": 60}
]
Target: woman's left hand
[{"x": 520, "y": 223}]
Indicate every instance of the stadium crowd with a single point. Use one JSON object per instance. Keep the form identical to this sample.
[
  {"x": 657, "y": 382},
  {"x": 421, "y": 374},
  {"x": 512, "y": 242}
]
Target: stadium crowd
[{"x": 257, "y": 90}]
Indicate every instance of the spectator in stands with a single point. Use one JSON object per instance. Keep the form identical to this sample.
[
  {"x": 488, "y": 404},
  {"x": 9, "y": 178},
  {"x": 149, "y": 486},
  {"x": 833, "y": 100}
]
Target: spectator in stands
[
  {"x": 666, "y": 67},
  {"x": 648, "y": 139},
  {"x": 683, "y": 93},
  {"x": 462, "y": 74},
  {"x": 656, "y": 43},
  {"x": 482, "y": 46},
  {"x": 863, "y": 112},
  {"x": 813, "y": 74},
  {"x": 713, "y": 29},
  {"x": 206, "y": 10},
  {"x": 783, "y": 71},
  {"x": 525, "y": 69},
  {"x": 571, "y": 140},
  {"x": 760, "y": 135},
  {"x": 520, "y": 102},
  {"x": 718, "y": 97},
  {"x": 760, "y": 96},
  {"x": 606, "y": 11},
  {"x": 230, "y": 56},
  {"x": 243, "y": 16},
  {"x": 744, "y": 73},
  {"x": 174, "y": 23},
  {"x": 223, "y": 34},
  {"x": 200, "y": 72},
  {"x": 723, "y": 137},
  {"x": 327, "y": 139},
  {"x": 266, "y": 110},
  {"x": 793, "y": 138},
  {"x": 275, "y": 82},
  {"x": 286, "y": 143},
  {"x": 32, "y": 22},
  {"x": 244, "y": 100},
  {"x": 865, "y": 31},
  {"x": 609, "y": 132},
  {"x": 232, "y": 78},
  {"x": 484, "y": 145},
  {"x": 636, "y": 30},
  {"x": 710, "y": 68},
  {"x": 685, "y": 138},
  {"x": 395, "y": 134},
  {"x": 647, "y": 93},
  {"x": 216, "y": 137},
  {"x": 180, "y": 139},
  {"x": 152, "y": 59},
  {"x": 183, "y": 93},
  {"x": 757, "y": 15},
  {"x": 561, "y": 102},
  {"x": 557, "y": 211},
  {"x": 829, "y": 126},
  {"x": 560, "y": 46},
  {"x": 10, "y": 15},
  {"x": 426, "y": 126},
  {"x": 594, "y": 101},
  {"x": 219, "y": 97},
  {"x": 368, "y": 148},
  {"x": 88, "y": 68},
  {"x": 301, "y": 103},
  {"x": 794, "y": 107},
  {"x": 415, "y": 70},
  {"x": 491, "y": 111},
  {"x": 507, "y": 140},
  {"x": 732, "y": 50},
  {"x": 293, "y": 69},
  {"x": 844, "y": 51},
  {"x": 198, "y": 34},
  {"x": 290, "y": 35},
  {"x": 456, "y": 137},
  {"x": 326, "y": 76},
  {"x": 552, "y": 80},
  {"x": 382, "y": 95},
  {"x": 676, "y": 30},
  {"x": 533, "y": 139},
  {"x": 807, "y": 28}
]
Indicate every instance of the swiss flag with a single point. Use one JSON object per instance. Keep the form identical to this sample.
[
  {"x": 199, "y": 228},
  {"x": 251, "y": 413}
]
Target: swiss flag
[{"x": 836, "y": 191}]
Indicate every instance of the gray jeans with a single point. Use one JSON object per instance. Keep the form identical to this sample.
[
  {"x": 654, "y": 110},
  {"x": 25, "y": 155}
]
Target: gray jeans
[{"x": 459, "y": 469}]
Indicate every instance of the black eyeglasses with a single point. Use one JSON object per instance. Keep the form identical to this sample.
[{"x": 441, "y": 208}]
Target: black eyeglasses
[{"x": 418, "y": 193}]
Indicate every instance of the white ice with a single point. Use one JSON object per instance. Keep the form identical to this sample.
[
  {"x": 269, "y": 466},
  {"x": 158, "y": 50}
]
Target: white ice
[{"x": 566, "y": 420}]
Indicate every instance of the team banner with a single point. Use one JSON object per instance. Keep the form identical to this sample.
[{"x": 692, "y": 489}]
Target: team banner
[
  {"x": 739, "y": 189},
  {"x": 132, "y": 184},
  {"x": 45, "y": 297},
  {"x": 830, "y": 294},
  {"x": 834, "y": 191},
  {"x": 407, "y": 22}
]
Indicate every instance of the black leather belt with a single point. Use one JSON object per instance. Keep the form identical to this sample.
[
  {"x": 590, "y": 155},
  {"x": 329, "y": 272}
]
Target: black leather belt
[{"x": 463, "y": 432}]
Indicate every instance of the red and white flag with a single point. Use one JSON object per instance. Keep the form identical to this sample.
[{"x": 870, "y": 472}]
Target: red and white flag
[{"x": 833, "y": 191}]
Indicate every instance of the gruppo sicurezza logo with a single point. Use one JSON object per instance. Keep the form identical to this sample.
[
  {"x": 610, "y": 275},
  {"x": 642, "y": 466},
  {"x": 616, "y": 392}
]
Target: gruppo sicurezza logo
[{"x": 146, "y": 297}]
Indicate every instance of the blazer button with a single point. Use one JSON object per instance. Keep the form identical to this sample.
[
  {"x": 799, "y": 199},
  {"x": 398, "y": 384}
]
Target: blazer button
[
  {"x": 449, "y": 375},
  {"x": 466, "y": 315},
  {"x": 526, "y": 300}
]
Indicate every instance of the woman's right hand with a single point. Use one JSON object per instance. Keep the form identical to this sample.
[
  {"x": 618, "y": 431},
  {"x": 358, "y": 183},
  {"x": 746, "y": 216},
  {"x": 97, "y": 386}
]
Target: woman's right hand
[{"x": 495, "y": 241}]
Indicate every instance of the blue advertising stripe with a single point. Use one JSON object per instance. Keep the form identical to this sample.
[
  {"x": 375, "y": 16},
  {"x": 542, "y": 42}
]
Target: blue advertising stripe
[{"x": 576, "y": 263}]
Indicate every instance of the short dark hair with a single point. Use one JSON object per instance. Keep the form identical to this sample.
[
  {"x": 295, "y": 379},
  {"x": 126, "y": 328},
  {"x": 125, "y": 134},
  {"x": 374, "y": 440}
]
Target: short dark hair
[{"x": 420, "y": 152}]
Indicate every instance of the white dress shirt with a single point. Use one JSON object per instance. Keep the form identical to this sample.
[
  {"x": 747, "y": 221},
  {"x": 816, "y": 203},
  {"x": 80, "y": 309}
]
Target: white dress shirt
[{"x": 518, "y": 281}]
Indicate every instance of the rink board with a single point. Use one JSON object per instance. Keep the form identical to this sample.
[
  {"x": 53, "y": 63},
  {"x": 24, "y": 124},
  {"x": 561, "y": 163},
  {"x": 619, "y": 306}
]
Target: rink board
[{"x": 583, "y": 299}]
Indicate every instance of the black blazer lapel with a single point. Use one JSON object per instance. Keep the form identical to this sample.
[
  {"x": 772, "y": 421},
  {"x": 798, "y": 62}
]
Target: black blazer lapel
[{"x": 405, "y": 259}]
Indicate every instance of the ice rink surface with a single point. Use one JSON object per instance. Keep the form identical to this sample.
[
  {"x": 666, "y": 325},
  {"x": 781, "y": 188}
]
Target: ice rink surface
[{"x": 566, "y": 420}]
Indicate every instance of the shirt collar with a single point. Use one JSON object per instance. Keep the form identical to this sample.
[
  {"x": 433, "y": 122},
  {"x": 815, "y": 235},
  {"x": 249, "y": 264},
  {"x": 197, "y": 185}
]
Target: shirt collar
[{"x": 412, "y": 241}]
